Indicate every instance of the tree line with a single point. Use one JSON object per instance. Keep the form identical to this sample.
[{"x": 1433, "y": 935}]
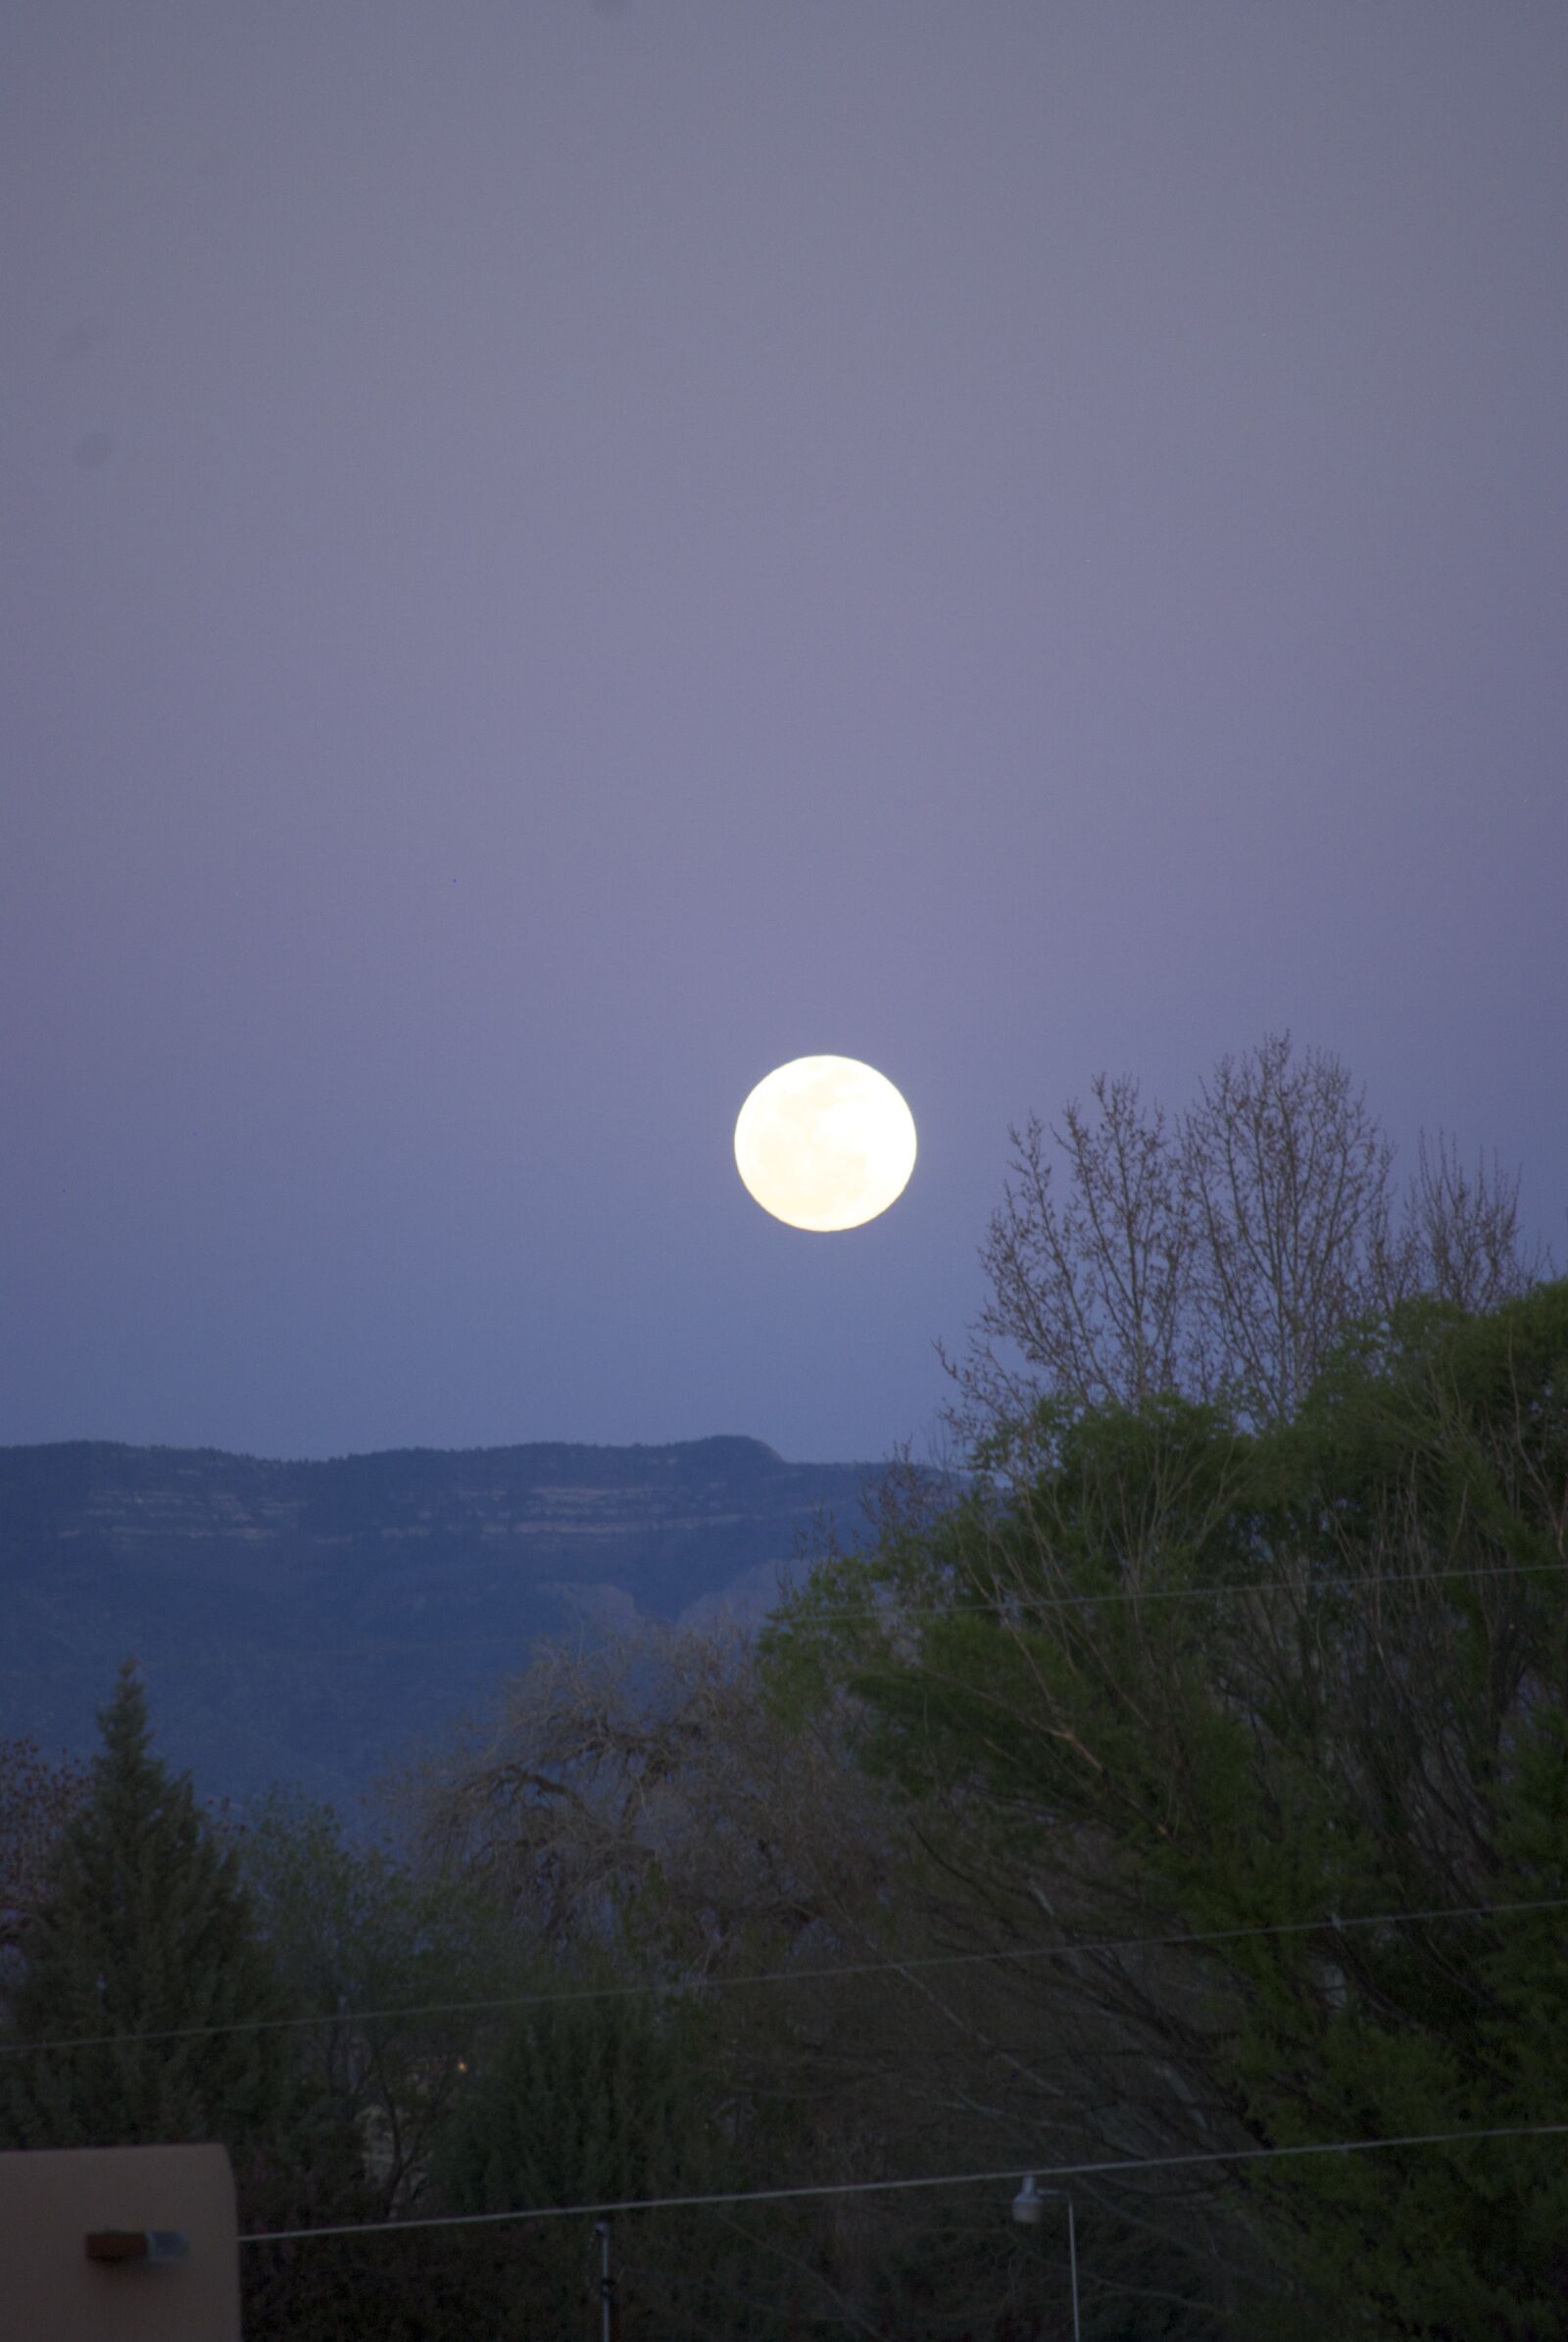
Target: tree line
[{"x": 1181, "y": 1791}]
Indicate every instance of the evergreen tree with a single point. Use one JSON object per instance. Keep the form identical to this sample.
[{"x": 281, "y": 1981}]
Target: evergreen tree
[{"x": 145, "y": 1929}]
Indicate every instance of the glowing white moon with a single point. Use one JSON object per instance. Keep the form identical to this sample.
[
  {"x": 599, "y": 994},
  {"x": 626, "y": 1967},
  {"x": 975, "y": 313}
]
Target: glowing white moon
[{"x": 825, "y": 1143}]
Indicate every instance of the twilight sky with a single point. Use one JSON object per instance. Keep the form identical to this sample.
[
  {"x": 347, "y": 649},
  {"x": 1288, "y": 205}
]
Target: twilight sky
[{"x": 557, "y": 556}]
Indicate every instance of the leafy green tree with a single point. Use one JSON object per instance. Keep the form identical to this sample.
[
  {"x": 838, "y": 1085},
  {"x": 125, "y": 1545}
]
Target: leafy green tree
[
  {"x": 1186, "y": 1681},
  {"x": 372, "y": 1958},
  {"x": 145, "y": 1929},
  {"x": 377, "y": 1957},
  {"x": 605, "y": 2095}
]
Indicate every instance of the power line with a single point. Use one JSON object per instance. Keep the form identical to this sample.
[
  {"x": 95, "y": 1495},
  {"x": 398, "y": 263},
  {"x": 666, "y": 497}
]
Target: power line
[
  {"x": 884, "y": 1966},
  {"x": 1026, "y": 1601},
  {"x": 793, "y": 1975},
  {"x": 893, "y": 1611},
  {"x": 867, "y": 2187}
]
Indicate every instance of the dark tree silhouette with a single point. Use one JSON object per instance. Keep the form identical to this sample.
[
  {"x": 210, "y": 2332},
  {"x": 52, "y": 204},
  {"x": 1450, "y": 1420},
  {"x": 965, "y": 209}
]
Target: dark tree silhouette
[{"x": 144, "y": 1929}]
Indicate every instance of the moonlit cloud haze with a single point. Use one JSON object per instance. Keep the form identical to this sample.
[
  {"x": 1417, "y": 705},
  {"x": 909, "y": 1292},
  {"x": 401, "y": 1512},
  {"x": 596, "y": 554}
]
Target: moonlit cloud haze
[{"x": 559, "y": 556}]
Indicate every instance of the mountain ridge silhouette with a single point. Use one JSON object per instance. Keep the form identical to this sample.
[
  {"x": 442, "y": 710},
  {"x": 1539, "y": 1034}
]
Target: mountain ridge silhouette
[{"x": 306, "y": 1621}]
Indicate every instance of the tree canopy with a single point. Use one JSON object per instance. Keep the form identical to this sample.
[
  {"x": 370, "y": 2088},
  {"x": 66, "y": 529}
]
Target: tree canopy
[{"x": 1285, "y": 1688}]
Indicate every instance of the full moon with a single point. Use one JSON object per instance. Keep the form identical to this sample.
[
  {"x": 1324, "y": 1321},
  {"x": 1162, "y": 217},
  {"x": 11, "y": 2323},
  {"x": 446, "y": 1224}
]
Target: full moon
[{"x": 825, "y": 1143}]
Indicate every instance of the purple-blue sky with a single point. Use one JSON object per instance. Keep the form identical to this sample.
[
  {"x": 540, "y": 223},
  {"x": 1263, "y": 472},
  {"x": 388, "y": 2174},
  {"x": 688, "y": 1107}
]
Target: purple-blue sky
[{"x": 556, "y": 557}]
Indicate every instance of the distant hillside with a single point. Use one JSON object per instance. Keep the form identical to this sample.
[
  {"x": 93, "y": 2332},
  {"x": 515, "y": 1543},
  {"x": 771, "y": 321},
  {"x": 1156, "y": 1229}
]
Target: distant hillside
[{"x": 306, "y": 1621}]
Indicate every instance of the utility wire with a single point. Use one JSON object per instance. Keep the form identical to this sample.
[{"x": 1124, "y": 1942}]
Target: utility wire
[
  {"x": 891, "y": 1611},
  {"x": 1026, "y": 1601},
  {"x": 793, "y": 1975},
  {"x": 883, "y": 1966},
  {"x": 867, "y": 2188}
]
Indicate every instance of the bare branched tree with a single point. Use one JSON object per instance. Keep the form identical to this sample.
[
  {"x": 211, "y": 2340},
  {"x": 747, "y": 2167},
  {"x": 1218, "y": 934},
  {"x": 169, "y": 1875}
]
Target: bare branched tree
[
  {"x": 1217, "y": 1254},
  {"x": 1462, "y": 1229},
  {"x": 646, "y": 1766},
  {"x": 1090, "y": 1293},
  {"x": 1287, "y": 1179}
]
